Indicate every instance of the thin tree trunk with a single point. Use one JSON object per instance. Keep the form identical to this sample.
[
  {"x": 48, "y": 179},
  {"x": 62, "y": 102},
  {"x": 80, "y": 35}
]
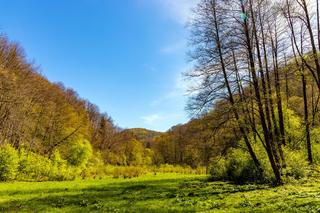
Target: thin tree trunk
[
  {"x": 306, "y": 116},
  {"x": 275, "y": 169},
  {"x": 274, "y": 44},
  {"x": 313, "y": 45},
  {"x": 231, "y": 99},
  {"x": 305, "y": 98}
]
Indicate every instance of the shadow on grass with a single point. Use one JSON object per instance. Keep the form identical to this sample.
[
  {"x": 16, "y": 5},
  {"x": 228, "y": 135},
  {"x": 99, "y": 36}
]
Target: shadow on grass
[
  {"x": 127, "y": 196},
  {"x": 105, "y": 197}
]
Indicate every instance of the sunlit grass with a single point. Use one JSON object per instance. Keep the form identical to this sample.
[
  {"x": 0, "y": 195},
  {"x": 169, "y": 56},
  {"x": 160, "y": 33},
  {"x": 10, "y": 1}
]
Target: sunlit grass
[{"x": 158, "y": 193}]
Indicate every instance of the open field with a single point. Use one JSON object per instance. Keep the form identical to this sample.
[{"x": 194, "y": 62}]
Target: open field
[{"x": 157, "y": 193}]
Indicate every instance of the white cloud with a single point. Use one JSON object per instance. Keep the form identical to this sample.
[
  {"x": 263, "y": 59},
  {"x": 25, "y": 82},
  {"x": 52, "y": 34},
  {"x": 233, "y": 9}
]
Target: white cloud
[
  {"x": 177, "y": 47},
  {"x": 154, "y": 120},
  {"x": 178, "y": 10},
  {"x": 177, "y": 93},
  {"x": 169, "y": 108},
  {"x": 151, "y": 119}
]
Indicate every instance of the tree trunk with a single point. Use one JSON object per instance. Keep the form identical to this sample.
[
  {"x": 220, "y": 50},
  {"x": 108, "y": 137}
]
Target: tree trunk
[
  {"x": 275, "y": 169},
  {"x": 231, "y": 99},
  {"x": 306, "y": 116}
]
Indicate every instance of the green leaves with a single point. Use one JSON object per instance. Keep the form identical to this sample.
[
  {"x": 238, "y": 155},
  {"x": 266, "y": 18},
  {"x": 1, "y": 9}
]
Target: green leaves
[{"x": 8, "y": 162}]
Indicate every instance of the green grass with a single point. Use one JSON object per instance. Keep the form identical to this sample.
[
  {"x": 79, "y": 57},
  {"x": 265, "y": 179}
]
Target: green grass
[{"x": 158, "y": 193}]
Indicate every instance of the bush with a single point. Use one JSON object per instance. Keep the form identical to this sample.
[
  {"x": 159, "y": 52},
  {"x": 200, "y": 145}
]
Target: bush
[
  {"x": 79, "y": 153},
  {"x": 168, "y": 168},
  {"x": 95, "y": 167},
  {"x": 236, "y": 166},
  {"x": 218, "y": 170},
  {"x": 34, "y": 167},
  {"x": 316, "y": 153},
  {"x": 134, "y": 152},
  {"x": 57, "y": 159},
  {"x": 8, "y": 162},
  {"x": 296, "y": 164},
  {"x": 192, "y": 157},
  {"x": 60, "y": 170},
  {"x": 128, "y": 172}
]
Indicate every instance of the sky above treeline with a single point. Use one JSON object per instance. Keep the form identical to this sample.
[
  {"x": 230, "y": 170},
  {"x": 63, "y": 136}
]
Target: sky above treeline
[{"x": 125, "y": 56}]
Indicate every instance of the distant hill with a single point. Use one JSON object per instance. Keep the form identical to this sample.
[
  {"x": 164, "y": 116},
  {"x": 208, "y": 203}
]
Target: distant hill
[{"x": 145, "y": 136}]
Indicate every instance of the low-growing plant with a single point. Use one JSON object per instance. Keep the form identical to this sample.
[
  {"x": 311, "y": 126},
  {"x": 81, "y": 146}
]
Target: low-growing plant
[
  {"x": 8, "y": 162},
  {"x": 236, "y": 166},
  {"x": 240, "y": 167},
  {"x": 35, "y": 167},
  {"x": 95, "y": 167},
  {"x": 79, "y": 153},
  {"x": 218, "y": 170},
  {"x": 168, "y": 168},
  {"x": 296, "y": 164},
  {"x": 316, "y": 153},
  {"x": 128, "y": 172}
]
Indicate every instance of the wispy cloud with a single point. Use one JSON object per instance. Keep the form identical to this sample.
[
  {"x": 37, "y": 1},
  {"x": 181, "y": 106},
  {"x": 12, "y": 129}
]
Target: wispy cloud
[
  {"x": 151, "y": 119},
  {"x": 155, "y": 120},
  {"x": 178, "y": 10},
  {"x": 176, "y": 47},
  {"x": 169, "y": 107},
  {"x": 177, "y": 93}
]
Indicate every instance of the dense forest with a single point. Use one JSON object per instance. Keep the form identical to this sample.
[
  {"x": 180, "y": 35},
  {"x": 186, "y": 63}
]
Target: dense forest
[
  {"x": 257, "y": 63},
  {"x": 254, "y": 98},
  {"x": 49, "y": 133}
]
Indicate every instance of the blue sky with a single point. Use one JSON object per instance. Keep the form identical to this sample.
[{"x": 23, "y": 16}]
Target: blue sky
[{"x": 126, "y": 56}]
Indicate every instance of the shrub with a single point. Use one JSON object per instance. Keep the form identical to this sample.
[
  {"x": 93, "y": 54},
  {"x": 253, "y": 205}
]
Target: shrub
[
  {"x": 296, "y": 164},
  {"x": 128, "y": 172},
  {"x": 148, "y": 157},
  {"x": 315, "y": 132},
  {"x": 111, "y": 158},
  {"x": 192, "y": 157},
  {"x": 316, "y": 153},
  {"x": 34, "y": 167},
  {"x": 79, "y": 153},
  {"x": 64, "y": 173},
  {"x": 239, "y": 167},
  {"x": 218, "y": 170},
  {"x": 168, "y": 168},
  {"x": 134, "y": 153},
  {"x": 8, "y": 162},
  {"x": 250, "y": 173},
  {"x": 95, "y": 167},
  {"x": 60, "y": 170},
  {"x": 131, "y": 172},
  {"x": 236, "y": 166},
  {"x": 57, "y": 159}
]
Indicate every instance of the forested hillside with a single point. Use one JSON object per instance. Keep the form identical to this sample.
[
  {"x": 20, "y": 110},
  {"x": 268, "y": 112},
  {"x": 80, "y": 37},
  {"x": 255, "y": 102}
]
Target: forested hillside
[
  {"x": 254, "y": 97},
  {"x": 47, "y": 120},
  {"x": 48, "y": 132},
  {"x": 222, "y": 98},
  {"x": 257, "y": 63}
]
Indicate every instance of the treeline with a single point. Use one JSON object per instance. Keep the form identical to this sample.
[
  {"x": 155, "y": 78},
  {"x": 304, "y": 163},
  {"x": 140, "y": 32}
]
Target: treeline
[
  {"x": 193, "y": 144},
  {"x": 255, "y": 89},
  {"x": 47, "y": 132},
  {"x": 42, "y": 116},
  {"x": 257, "y": 63},
  {"x": 44, "y": 124}
]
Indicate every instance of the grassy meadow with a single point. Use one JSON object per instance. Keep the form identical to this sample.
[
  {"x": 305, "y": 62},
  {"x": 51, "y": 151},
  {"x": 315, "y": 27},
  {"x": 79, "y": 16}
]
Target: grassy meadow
[{"x": 158, "y": 193}]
